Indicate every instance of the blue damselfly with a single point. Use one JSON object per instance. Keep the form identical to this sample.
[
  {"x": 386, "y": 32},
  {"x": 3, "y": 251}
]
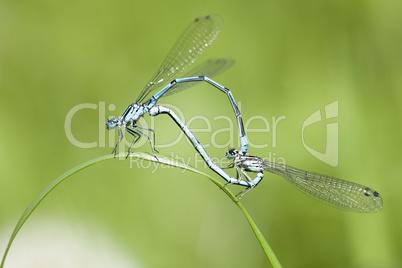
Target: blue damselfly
[
  {"x": 198, "y": 36},
  {"x": 338, "y": 193}
]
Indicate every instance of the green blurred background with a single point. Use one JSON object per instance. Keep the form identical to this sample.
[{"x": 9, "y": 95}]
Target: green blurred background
[{"x": 292, "y": 59}]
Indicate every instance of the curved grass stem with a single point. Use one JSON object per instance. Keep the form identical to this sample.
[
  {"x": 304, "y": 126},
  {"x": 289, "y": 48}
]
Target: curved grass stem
[{"x": 161, "y": 159}]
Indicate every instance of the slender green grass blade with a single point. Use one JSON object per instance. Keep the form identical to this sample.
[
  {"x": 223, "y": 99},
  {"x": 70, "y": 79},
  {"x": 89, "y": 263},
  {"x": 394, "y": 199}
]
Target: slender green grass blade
[{"x": 161, "y": 159}]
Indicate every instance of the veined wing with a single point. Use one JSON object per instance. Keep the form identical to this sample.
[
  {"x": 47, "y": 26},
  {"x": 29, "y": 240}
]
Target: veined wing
[
  {"x": 198, "y": 36},
  {"x": 209, "y": 68},
  {"x": 341, "y": 194}
]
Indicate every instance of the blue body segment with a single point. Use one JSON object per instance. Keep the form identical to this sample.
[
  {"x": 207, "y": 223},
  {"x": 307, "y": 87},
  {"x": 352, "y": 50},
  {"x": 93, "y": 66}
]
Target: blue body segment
[{"x": 159, "y": 109}]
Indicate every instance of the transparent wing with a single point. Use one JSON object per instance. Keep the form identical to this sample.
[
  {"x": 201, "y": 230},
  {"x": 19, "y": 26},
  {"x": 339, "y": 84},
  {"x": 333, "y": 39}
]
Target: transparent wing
[
  {"x": 210, "y": 68},
  {"x": 341, "y": 194},
  {"x": 191, "y": 44}
]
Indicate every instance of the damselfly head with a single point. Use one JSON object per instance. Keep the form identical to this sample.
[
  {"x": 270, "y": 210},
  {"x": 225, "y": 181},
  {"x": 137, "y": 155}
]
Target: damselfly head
[
  {"x": 231, "y": 154},
  {"x": 112, "y": 123}
]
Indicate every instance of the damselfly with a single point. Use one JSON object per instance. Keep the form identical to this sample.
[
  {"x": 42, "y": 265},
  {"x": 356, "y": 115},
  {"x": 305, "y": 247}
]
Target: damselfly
[
  {"x": 341, "y": 194},
  {"x": 198, "y": 36}
]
